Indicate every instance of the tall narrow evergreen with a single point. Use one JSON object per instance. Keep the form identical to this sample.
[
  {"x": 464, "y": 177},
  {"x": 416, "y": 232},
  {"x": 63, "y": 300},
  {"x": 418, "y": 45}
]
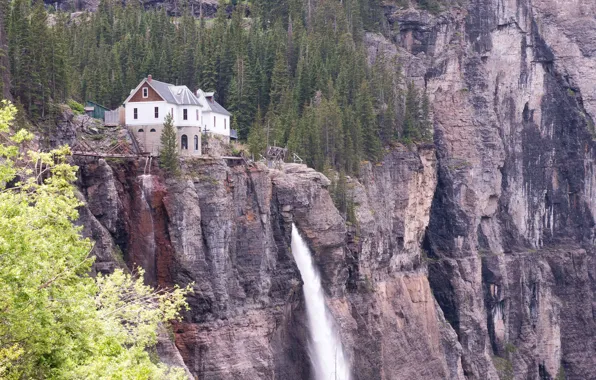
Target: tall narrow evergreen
[
  {"x": 168, "y": 154},
  {"x": 4, "y": 63}
]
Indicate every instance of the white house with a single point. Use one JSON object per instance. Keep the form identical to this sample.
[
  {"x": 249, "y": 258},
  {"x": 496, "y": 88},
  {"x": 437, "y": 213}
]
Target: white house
[
  {"x": 149, "y": 103},
  {"x": 216, "y": 119}
]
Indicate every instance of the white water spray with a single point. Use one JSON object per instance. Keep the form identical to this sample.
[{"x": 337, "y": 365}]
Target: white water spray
[{"x": 326, "y": 351}]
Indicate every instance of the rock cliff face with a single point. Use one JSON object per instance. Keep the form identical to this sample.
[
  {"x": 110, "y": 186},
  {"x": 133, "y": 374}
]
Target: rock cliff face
[
  {"x": 470, "y": 260},
  {"x": 227, "y": 229},
  {"x": 512, "y": 222}
]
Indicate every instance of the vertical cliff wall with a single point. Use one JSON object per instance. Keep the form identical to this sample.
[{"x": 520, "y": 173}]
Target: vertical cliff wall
[
  {"x": 227, "y": 229},
  {"x": 512, "y": 222}
]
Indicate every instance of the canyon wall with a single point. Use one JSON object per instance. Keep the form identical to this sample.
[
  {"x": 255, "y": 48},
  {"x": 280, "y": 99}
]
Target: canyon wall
[
  {"x": 227, "y": 230},
  {"x": 512, "y": 223}
]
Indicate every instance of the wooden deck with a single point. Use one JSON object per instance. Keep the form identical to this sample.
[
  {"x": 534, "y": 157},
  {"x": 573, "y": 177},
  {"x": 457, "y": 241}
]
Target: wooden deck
[{"x": 108, "y": 155}]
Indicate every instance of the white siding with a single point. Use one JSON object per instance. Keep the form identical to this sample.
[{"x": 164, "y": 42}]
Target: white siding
[
  {"x": 146, "y": 121},
  {"x": 145, "y": 113},
  {"x": 192, "y": 117},
  {"x": 217, "y": 123}
]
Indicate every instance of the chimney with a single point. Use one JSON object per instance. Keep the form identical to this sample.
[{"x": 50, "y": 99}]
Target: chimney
[{"x": 149, "y": 78}]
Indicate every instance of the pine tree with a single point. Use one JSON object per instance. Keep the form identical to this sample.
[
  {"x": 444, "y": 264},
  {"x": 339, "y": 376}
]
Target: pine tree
[
  {"x": 279, "y": 80},
  {"x": 426, "y": 122},
  {"x": 37, "y": 68},
  {"x": 19, "y": 52},
  {"x": 241, "y": 95},
  {"x": 4, "y": 62},
  {"x": 340, "y": 193},
  {"x": 257, "y": 139},
  {"x": 412, "y": 130},
  {"x": 371, "y": 143},
  {"x": 302, "y": 63},
  {"x": 168, "y": 153}
]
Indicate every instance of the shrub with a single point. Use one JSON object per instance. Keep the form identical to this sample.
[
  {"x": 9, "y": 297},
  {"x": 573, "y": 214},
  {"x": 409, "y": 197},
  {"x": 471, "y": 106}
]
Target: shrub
[{"x": 76, "y": 107}]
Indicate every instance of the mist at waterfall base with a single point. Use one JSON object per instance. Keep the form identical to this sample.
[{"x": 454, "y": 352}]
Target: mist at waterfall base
[{"x": 325, "y": 349}]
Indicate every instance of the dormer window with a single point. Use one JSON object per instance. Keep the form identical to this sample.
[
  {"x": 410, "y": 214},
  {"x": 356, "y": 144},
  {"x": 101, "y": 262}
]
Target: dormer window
[{"x": 145, "y": 92}]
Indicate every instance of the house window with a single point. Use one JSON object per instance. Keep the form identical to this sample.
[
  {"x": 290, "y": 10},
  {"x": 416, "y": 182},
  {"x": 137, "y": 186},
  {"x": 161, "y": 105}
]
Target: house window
[
  {"x": 185, "y": 114},
  {"x": 136, "y": 113},
  {"x": 141, "y": 130},
  {"x": 196, "y": 142},
  {"x": 184, "y": 142},
  {"x": 197, "y": 115},
  {"x": 225, "y": 124},
  {"x": 152, "y": 130},
  {"x": 214, "y": 125},
  {"x": 157, "y": 112},
  {"x": 145, "y": 92}
]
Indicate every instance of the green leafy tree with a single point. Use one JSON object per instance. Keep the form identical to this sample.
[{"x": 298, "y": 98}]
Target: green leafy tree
[
  {"x": 168, "y": 153},
  {"x": 57, "y": 321}
]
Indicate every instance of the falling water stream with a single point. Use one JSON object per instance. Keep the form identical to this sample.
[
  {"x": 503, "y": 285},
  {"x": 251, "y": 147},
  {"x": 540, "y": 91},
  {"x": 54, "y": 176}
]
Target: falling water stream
[
  {"x": 326, "y": 351},
  {"x": 149, "y": 239}
]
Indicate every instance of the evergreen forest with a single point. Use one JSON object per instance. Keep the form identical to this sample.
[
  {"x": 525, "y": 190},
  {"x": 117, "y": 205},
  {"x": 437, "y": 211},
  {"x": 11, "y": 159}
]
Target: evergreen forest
[{"x": 293, "y": 73}]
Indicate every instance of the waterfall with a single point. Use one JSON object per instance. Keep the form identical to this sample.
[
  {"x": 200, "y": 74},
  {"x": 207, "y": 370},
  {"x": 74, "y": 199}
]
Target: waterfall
[
  {"x": 146, "y": 190},
  {"x": 146, "y": 225},
  {"x": 325, "y": 349}
]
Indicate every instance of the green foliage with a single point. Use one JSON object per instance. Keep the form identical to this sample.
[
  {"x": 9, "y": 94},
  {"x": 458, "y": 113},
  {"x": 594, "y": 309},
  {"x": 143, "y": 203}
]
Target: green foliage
[
  {"x": 57, "y": 321},
  {"x": 257, "y": 139},
  {"x": 417, "y": 124},
  {"x": 339, "y": 193},
  {"x": 38, "y": 57},
  {"x": 433, "y": 6},
  {"x": 168, "y": 153},
  {"x": 76, "y": 107},
  {"x": 302, "y": 63}
]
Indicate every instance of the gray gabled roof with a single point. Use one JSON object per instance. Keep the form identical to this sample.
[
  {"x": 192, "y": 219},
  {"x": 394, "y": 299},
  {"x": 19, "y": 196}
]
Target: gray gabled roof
[
  {"x": 180, "y": 95},
  {"x": 217, "y": 108}
]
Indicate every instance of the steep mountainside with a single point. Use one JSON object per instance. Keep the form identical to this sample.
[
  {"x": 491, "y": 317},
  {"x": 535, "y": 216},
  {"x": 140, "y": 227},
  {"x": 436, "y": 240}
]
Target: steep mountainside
[
  {"x": 473, "y": 259},
  {"x": 512, "y": 221},
  {"x": 205, "y": 8}
]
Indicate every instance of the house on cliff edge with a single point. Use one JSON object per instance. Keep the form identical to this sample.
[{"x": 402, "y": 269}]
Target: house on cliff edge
[{"x": 150, "y": 102}]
